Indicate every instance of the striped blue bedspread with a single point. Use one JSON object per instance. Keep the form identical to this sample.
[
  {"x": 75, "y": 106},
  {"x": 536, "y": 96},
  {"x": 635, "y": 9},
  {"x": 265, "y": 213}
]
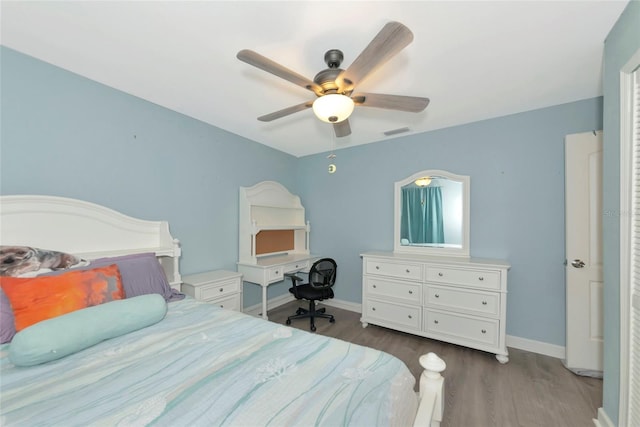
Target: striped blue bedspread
[{"x": 204, "y": 366}]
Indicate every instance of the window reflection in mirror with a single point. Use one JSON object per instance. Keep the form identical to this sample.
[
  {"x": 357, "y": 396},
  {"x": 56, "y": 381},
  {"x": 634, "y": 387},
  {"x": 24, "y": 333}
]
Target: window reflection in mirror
[{"x": 431, "y": 214}]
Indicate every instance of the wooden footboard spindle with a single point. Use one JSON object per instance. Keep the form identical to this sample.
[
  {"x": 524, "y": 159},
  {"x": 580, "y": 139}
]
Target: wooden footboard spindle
[{"x": 431, "y": 394}]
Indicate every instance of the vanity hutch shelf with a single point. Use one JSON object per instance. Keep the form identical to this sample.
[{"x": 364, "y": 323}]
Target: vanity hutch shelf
[
  {"x": 273, "y": 236},
  {"x": 453, "y": 299}
]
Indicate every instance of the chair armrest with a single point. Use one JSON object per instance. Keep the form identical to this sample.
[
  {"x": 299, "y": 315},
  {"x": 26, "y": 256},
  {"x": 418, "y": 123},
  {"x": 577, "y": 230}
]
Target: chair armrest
[{"x": 293, "y": 278}]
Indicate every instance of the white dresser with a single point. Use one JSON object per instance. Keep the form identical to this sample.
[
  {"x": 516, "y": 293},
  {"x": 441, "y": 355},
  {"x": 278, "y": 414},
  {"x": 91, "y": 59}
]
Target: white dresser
[
  {"x": 453, "y": 299},
  {"x": 220, "y": 287}
]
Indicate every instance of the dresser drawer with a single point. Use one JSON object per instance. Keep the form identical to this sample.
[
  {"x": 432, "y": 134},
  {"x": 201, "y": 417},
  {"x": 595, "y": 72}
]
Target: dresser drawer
[
  {"x": 462, "y": 300},
  {"x": 231, "y": 302},
  {"x": 408, "y": 316},
  {"x": 400, "y": 270},
  {"x": 462, "y": 328},
  {"x": 408, "y": 292},
  {"x": 489, "y": 279}
]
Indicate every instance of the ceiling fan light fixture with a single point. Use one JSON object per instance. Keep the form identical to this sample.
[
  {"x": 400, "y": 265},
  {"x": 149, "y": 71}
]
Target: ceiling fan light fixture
[{"x": 333, "y": 108}]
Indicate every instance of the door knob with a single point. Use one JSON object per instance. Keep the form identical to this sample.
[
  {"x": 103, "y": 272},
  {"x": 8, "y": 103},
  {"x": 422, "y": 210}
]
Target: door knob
[{"x": 577, "y": 263}]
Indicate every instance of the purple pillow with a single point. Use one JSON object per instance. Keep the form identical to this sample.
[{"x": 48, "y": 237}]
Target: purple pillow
[
  {"x": 141, "y": 274},
  {"x": 7, "y": 324}
]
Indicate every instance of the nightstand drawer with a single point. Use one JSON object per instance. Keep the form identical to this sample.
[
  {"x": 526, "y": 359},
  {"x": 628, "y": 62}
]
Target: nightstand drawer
[
  {"x": 478, "y": 278},
  {"x": 229, "y": 303},
  {"x": 219, "y": 287},
  {"x": 216, "y": 290}
]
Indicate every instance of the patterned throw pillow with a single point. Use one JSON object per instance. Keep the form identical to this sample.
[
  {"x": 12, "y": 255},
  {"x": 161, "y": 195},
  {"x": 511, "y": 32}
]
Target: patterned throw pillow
[
  {"x": 44, "y": 297},
  {"x": 18, "y": 261}
]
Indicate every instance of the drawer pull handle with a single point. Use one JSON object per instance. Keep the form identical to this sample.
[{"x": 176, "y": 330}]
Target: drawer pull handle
[
  {"x": 410, "y": 317},
  {"x": 436, "y": 322},
  {"x": 277, "y": 272},
  {"x": 481, "y": 278},
  {"x": 377, "y": 267},
  {"x": 408, "y": 271},
  {"x": 484, "y": 331},
  {"x": 221, "y": 289},
  {"x": 484, "y": 303},
  {"x": 437, "y": 295},
  {"x": 440, "y": 274},
  {"x": 410, "y": 292},
  {"x": 373, "y": 308},
  {"x": 374, "y": 286}
]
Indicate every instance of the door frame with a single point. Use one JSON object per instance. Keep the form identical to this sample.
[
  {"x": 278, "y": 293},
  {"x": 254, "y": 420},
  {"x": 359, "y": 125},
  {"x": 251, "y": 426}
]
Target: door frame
[{"x": 626, "y": 147}]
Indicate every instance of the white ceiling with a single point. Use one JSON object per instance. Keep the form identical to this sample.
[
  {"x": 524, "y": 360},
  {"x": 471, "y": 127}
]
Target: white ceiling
[{"x": 474, "y": 60}]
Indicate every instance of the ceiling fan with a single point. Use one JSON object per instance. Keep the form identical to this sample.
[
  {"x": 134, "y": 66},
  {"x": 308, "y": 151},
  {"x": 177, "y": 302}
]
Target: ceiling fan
[{"x": 334, "y": 87}]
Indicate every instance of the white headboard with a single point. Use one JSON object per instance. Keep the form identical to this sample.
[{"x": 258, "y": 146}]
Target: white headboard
[{"x": 85, "y": 229}]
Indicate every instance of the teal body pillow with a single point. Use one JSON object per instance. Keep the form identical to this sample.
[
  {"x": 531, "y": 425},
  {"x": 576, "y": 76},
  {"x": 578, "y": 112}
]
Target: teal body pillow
[{"x": 64, "y": 335}]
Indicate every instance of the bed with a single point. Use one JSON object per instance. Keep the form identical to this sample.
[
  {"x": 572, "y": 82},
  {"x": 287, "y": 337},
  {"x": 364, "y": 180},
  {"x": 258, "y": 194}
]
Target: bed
[{"x": 189, "y": 363}]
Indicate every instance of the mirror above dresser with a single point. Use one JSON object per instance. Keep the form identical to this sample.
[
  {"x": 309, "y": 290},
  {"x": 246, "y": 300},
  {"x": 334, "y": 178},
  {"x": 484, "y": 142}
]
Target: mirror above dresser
[{"x": 431, "y": 214}]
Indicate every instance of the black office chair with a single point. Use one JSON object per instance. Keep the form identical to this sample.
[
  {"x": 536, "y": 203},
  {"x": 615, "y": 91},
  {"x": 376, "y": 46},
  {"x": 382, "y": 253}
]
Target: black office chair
[{"x": 322, "y": 277}]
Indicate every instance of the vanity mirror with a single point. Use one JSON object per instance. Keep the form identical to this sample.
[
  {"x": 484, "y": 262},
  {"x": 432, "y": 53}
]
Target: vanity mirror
[{"x": 431, "y": 214}]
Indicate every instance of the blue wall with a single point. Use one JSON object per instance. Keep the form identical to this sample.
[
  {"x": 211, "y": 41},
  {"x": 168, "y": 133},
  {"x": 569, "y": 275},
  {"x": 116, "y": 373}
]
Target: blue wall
[
  {"x": 516, "y": 165},
  {"x": 65, "y": 135},
  {"x": 68, "y": 136},
  {"x": 622, "y": 43}
]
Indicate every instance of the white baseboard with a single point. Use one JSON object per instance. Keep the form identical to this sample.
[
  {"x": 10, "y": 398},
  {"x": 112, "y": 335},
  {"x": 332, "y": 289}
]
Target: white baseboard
[
  {"x": 344, "y": 305},
  {"x": 256, "y": 310},
  {"x": 539, "y": 347},
  {"x": 603, "y": 419}
]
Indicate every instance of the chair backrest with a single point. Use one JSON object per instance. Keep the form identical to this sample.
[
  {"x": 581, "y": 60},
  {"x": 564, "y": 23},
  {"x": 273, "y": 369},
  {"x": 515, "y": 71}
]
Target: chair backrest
[{"x": 323, "y": 273}]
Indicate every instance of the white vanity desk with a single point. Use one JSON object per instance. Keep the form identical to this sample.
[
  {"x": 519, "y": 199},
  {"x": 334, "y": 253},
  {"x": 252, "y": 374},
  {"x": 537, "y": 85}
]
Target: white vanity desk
[
  {"x": 272, "y": 270},
  {"x": 273, "y": 236}
]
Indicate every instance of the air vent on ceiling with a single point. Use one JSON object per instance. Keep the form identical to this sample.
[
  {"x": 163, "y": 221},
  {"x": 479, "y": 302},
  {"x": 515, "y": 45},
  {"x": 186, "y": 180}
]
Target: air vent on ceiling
[{"x": 397, "y": 131}]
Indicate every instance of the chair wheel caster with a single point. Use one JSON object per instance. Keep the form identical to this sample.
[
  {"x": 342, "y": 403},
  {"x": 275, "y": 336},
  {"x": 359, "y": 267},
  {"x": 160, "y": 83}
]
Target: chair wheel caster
[
  {"x": 313, "y": 328},
  {"x": 299, "y": 311},
  {"x": 332, "y": 320},
  {"x": 288, "y": 322}
]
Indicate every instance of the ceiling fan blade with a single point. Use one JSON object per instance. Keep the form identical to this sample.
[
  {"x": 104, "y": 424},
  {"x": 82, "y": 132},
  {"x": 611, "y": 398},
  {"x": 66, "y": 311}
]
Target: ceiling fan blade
[
  {"x": 387, "y": 43},
  {"x": 412, "y": 104},
  {"x": 342, "y": 128},
  {"x": 266, "y": 64},
  {"x": 285, "y": 112}
]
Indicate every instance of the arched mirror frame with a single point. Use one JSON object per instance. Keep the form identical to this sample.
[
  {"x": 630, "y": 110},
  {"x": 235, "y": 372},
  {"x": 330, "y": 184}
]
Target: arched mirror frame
[{"x": 437, "y": 251}]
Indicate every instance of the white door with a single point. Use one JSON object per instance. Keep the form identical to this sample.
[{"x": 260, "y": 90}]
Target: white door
[{"x": 583, "y": 228}]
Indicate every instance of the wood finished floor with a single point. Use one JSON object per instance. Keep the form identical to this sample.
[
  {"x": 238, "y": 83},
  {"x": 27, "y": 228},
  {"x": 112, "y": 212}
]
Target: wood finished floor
[{"x": 530, "y": 390}]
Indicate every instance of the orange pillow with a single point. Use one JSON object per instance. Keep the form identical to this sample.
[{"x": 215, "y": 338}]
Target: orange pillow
[{"x": 40, "y": 298}]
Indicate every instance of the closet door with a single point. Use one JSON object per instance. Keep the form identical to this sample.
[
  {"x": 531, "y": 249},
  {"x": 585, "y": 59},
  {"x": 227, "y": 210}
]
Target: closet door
[{"x": 584, "y": 269}]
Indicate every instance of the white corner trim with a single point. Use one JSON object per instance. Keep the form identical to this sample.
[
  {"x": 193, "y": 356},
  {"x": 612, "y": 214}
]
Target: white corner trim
[
  {"x": 539, "y": 347},
  {"x": 603, "y": 419}
]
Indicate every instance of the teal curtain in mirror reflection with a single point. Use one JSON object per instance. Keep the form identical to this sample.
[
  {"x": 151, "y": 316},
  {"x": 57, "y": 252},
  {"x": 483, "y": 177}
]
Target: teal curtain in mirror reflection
[{"x": 421, "y": 220}]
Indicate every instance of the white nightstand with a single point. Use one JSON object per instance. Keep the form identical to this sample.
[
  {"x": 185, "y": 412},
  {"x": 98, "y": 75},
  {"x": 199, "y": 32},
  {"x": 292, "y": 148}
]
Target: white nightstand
[{"x": 220, "y": 287}]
